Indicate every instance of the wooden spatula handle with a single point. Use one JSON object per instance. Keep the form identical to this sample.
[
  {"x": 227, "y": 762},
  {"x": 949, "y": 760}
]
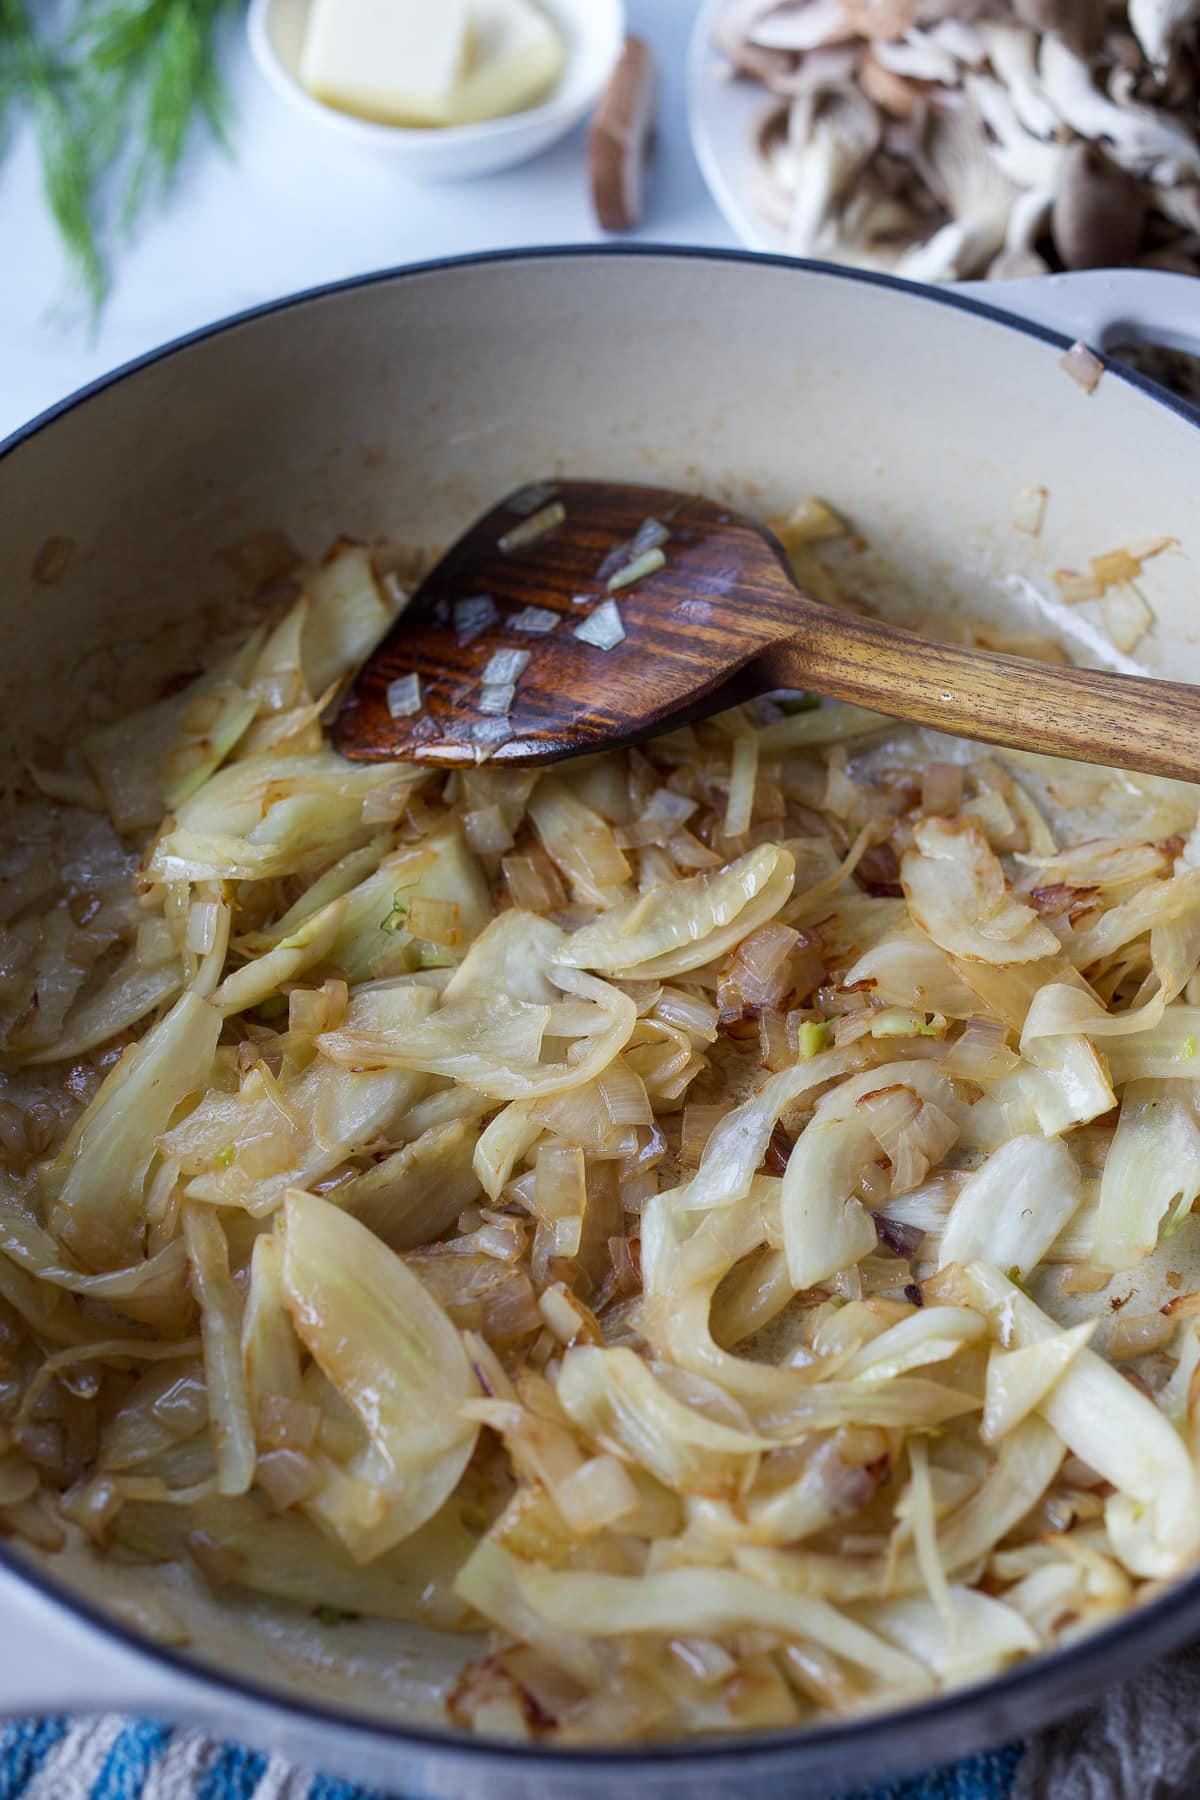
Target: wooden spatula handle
[{"x": 1091, "y": 715}]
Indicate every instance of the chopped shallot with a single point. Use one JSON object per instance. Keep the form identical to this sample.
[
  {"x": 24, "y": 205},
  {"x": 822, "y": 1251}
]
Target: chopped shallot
[
  {"x": 531, "y": 499},
  {"x": 534, "y": 527},
  {"x": 473, "y": 616},
  {"x": 1083, "y": 366},
  {"x": 496, "y": 697},
  {"x": 1126, "y": 616},
  {"x": 537, "y": 620},
  {"x": 1029, "y": 509},
  {"x": 491, "y": 732},
  {"x": 1113, "y": 567},
  {"x": 636, "y": 569},
  {"x": 1075, "y": 587},
  {"x": 505, "y": 666},
  {"x": 404, "y": 696},
  {"x": 604, "y": 628},
  {"x": 651, "y": 534}
]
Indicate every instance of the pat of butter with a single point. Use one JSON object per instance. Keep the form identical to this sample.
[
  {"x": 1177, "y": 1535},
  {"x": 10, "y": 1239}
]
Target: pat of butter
[
  {"x": 399, "y": 61},
  {"x": 515, "y": 57}
]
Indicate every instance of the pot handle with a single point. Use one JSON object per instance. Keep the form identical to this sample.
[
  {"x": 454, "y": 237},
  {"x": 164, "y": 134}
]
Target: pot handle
[{"x": 1104, "y": 307}]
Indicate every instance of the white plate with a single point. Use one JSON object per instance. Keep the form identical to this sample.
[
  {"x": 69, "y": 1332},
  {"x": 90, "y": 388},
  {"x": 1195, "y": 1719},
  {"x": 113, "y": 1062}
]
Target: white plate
[
  {"x": 593, "y": 31},
  {"x": 723, "y": 113}
]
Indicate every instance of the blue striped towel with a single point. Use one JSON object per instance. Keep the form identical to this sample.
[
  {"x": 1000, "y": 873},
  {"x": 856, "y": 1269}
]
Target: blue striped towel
[{"x": 112, "y": 1758}]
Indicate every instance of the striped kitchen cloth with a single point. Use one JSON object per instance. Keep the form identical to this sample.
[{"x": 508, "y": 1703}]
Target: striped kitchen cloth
[
  {"x": 1139, "y": 1740},
  {"x": 113, "y": 1758}
]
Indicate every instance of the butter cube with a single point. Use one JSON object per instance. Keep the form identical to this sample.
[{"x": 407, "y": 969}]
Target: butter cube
[
  {"x": 515, "y": 57},
  {"x": 398, "y": 61}
]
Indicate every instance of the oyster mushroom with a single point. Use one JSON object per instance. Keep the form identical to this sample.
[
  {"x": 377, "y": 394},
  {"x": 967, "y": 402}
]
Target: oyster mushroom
[
  {"x": 1026, "y": 224},
  {"x": 875, "y": 228},
  {"x": 1165, "y": 136},
  {"x": 1012, "y": 52},
  {"x": 952, "y": 155},
  {"x": 1142, "y": 140},
  {"x": 881, "y": 18},
  {"x": 964, "y": 41},
  {"x": 833, "y": 135},
  {"x": 928, "y": 12},
  {"x": 1079, "y": 23},
  {"x": 1079, "y": 130},
  {"x": 805, "y": 25},
  {"x": 894, "y": 94},
  {"x": 834, "y": 65},
  {"x": 918, "y": 57},
  {"x": 1159, "y": 26},
  {"x": 731, "y": 37},
  {"x": 782, "y": 139},
  {"x": 773, "y": 179},
  {"x": 1026, "y": 160},
  {"x": 1098, "y": 213},
  {"x": 1181, "y": 205}
]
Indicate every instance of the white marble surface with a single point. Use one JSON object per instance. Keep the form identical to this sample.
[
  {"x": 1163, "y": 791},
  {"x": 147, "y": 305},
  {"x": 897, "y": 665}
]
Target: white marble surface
[{"x": 294, "y": 206}]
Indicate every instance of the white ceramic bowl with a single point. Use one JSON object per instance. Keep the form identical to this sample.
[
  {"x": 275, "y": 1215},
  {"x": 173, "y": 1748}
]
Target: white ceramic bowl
[
  {"x": 593, "y": 31},
  {"x": 722, "y": 116}
]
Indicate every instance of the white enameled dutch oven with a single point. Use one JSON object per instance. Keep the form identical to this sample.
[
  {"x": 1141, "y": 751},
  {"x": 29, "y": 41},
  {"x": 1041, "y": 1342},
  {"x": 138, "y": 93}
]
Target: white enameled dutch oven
[{"x": 400, "y": 405}]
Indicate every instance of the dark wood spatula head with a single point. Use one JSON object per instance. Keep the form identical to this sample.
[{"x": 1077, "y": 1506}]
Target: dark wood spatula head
[
  {"x": 663, "y": 607},
  {"x": 699, "y": 592}
]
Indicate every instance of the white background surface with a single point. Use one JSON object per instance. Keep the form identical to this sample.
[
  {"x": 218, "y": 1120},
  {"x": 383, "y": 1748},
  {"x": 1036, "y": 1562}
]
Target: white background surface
[{"x": 294, "y": 206}]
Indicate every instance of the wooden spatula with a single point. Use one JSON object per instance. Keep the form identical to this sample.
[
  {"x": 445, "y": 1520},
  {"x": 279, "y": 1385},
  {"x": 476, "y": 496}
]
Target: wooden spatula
[{"x": 580, "y": 615}]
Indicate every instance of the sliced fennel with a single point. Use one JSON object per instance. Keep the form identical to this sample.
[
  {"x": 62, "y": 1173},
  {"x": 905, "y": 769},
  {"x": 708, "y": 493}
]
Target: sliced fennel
[
  {"x": 601, "y": 1203},
  {"x": 394, "y": 1357}
]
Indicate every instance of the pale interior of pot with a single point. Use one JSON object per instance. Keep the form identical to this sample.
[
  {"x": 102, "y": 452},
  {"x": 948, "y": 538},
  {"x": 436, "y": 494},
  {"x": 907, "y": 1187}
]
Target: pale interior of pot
[{"x": 404, "y": 407}]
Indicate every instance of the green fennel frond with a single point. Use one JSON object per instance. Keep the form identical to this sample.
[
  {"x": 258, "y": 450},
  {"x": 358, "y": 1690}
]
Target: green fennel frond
[
  {"x": 155, "y": 64},
  {"x": 118, "y": 90},
  {"x": 36, "y": 75}
]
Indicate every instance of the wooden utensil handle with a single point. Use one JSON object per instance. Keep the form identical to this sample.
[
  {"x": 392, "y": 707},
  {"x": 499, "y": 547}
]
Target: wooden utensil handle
[{"x": 1092, "y": 715}]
